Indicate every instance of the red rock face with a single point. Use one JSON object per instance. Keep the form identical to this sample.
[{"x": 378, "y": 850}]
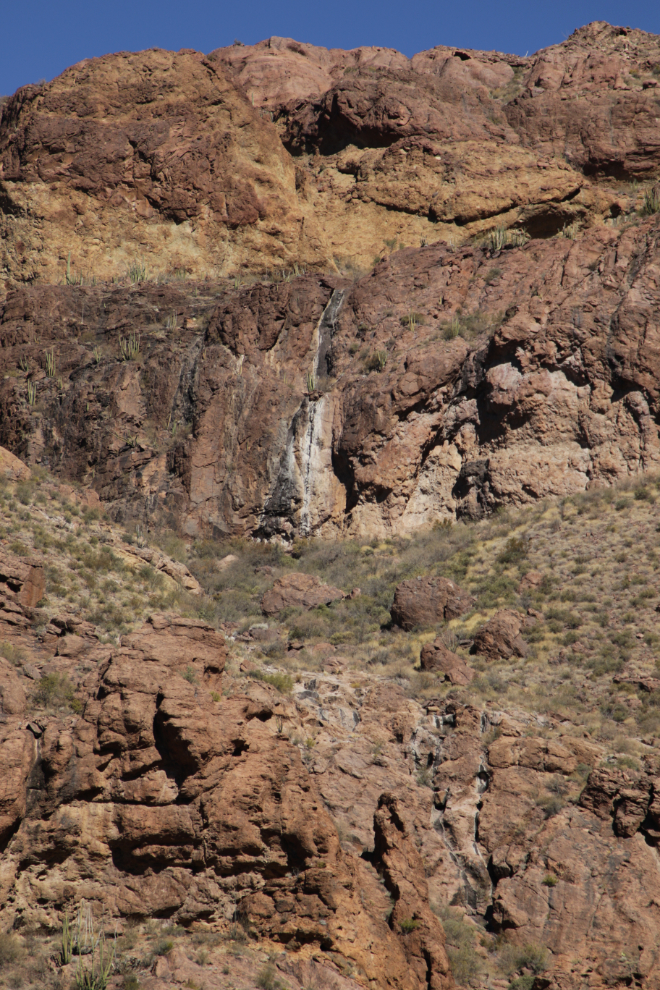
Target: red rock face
[
  {"x": 447, "y": 381},
  {"x": 155, "y": 799},
  {"x": 594, "y": 100},
  {"x": 21, "y": 581},
  {"x": 187, "y": 805},
  {"x": 155, "y": 139}
]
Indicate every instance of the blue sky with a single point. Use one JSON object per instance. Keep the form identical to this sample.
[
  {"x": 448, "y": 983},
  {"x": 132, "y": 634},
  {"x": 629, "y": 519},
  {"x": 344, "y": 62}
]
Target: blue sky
[{"x": 38, "y": 40}]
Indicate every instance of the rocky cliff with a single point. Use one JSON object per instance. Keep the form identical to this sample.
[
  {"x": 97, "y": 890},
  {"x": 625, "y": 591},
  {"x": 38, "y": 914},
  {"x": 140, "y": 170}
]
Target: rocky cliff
[
  {"x": 497, "y": 364},
  {"x": 281, "y": 292},
  {"x": 282, "y": 153},
  {"x": 443, "y": 384}
]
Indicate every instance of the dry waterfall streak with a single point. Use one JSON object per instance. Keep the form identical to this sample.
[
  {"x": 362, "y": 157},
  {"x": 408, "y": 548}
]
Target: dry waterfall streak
[
  {"x": 311, "y": 460},
  {"x": 325, "y": 331},
  {"x": 304, "y": 462}
]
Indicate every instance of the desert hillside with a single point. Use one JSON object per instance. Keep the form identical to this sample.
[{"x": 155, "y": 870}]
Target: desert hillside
[{"x": 329, "y": 528}]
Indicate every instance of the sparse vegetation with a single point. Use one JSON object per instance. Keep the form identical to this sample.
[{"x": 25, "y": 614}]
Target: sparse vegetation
[
  {"x": 651, "y": 203},
  {"x": 375, "y": 361},
  {"x": 471, "y": 325},
  {"x": 129, "y": 347},
  {"x": 137, "y": 272},
  {"x": 460, "y": 937}
]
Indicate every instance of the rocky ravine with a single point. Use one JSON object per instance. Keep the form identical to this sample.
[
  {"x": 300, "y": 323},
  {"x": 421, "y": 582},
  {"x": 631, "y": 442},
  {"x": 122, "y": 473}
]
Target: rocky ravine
[{"x": 444, "y": 384}]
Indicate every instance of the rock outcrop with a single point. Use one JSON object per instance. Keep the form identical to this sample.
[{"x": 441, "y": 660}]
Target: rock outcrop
[
  {"x": 155, "y": 799},
  {"x": 195, "y": 809},
  {"x": 21, "y": 580},
  {"x": 283, "y": 153},
  {"x": 156, "y": 142}
]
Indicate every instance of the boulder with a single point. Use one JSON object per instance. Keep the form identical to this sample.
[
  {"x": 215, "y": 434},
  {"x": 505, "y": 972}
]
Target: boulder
[
  {"x": 21, "y": 580},
  {"x": 530, "y": 581},
  {"x": 423, "y": 601},
  {"x": 12, "y": 695},
  {"x": 298, "y": 591},
  {"x": 500, "y": 638},
  {"x": 437, "y": 657}
]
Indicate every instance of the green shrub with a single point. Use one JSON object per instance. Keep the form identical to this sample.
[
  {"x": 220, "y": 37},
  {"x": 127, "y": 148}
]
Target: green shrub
[
  {"x": 530, "y": 956},
  {"x": 412, "y": 320},
  {"x": 54, "y": 691},
  {"x": 522, "y": 983},
  {"x": 470, "y": 326},
  {"x": 163, "y": 946},
  {"x": 533, "y": 956},
  {"x": 551, "y": 805},
  {"x": 190, "y": 675},
  {"x": 19, "y": 549},
  {"x": 549, "y": 880},
  {"x": 24, "y": 492},
  {"x": 376, "y": 361},
  {"x": 266, "y": 978},
  {"x": 408, "y": 925},
  {"x": 282, "y": 682},
  {"x": 651, "y": 202},
  {"x": 12, "y": 653},
  {"x": 460, "y": 939}
]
